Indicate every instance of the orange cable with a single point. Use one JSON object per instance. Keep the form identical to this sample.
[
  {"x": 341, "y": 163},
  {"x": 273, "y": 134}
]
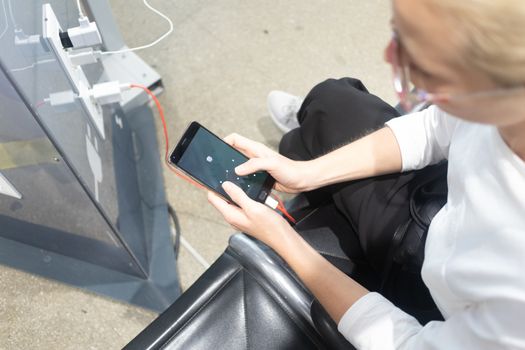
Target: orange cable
[
  {"x": 166, "y": 137},
  {"x": 282, "y": 209}
]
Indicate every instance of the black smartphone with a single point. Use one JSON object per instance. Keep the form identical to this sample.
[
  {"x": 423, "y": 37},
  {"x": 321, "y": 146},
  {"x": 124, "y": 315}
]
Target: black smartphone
[{"x": 210, "y": 161}]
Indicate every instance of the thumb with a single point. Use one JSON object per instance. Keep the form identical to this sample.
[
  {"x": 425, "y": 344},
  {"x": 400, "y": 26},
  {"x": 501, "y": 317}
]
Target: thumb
[
  {"x": 254, "y": 165},
  {"x": 236, "y": 194}
]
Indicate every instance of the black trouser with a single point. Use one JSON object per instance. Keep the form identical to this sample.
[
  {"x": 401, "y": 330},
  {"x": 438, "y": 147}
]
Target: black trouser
[{"x": 333, "y": 114}]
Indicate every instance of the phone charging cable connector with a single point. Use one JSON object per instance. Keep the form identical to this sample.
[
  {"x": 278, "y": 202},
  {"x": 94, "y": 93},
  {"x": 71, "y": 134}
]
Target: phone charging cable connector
[
  {"x": 276, "y": 203},
  {"x": 109, "y": 92}
]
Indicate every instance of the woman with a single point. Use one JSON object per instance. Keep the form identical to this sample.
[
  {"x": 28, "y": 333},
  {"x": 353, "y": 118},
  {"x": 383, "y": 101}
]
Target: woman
[{"x": 467, "y": 58}]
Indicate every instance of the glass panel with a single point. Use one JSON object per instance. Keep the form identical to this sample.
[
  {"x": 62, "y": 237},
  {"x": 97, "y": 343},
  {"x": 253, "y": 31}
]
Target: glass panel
[{"x": 72, "y": 202}]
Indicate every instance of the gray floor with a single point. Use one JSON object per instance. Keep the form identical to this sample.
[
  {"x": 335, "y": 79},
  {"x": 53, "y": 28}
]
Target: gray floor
[{"x": 218, "y": 66}]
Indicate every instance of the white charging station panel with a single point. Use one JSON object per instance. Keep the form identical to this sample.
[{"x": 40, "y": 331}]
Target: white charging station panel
[{"x": 51, "y": 33}]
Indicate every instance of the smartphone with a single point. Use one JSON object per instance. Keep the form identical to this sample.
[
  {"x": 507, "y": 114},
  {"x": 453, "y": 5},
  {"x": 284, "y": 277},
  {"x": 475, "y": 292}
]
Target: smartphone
[{"x": 210, "y": 161}]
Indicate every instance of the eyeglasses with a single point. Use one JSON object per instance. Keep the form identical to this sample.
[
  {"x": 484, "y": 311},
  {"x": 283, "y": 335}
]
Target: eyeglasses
[{"x": 411, "y": 97}]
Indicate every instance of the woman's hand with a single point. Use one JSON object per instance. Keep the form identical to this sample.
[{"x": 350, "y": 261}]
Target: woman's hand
[
  {"x": 336, "y": 291},
  {"x": 251, "y": 217},
  {"x": 291, "y": 175}
]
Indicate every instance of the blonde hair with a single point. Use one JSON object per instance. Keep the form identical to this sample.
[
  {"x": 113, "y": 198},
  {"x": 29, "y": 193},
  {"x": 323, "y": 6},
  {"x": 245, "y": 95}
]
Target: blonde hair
[{"x": 492, "y": 35}]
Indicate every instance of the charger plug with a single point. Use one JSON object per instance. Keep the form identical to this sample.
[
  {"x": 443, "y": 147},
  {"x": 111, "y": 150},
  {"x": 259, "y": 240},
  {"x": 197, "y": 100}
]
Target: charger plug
[
  {"x": 61, "y": 98},
  {"x": 110, "y": 92},
  {"x": 84, "y": 56},
  {"x": 271, "y": 202},
  {"x": 63, "y": 101},
  {"x": 86, "y": 34}
]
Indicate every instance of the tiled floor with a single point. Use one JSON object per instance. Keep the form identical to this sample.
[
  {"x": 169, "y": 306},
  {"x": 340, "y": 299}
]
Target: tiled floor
[{"x": 218, "y": 66}]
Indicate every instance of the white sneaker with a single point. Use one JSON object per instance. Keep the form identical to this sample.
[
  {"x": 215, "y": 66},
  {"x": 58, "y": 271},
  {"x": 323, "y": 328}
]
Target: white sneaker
[{"x": 283, "y": 109}]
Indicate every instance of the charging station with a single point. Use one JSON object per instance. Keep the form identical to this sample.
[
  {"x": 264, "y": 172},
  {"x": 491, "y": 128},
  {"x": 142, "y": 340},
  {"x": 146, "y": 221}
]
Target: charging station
[{"x": 82, "y": 197}]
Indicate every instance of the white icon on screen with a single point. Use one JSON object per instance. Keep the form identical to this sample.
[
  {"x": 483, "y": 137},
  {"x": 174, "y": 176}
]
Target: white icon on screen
[{"x": 209, "y": 159}]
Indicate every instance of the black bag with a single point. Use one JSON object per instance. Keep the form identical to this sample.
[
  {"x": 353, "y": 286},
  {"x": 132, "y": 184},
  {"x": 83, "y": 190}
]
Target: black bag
[{"x": 401, "y": 280}]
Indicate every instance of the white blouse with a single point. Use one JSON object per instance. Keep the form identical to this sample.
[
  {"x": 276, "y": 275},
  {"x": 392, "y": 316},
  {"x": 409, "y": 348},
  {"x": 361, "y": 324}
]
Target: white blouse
[{"x": 475, "y": 250}]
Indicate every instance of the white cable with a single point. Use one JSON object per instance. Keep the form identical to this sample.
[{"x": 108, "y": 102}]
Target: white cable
[
  {"x": 151, "y": 44},
  {"x": 194, "y": 252},
  {"x": 5, "y": 16},
  {"x": 80, "y": 13}
]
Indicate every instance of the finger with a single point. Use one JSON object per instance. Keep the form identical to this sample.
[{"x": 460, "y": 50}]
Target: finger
[
  {"x": 237, "y": 195},
  {"x": 248, "y": 147},
  {"x": 281, "y": 188},
  {"x": 232, "y": 214},
  {"x": 241, "y": 144},
  {"x": 254, "y": 165},
  {"x": 230, "y": 139}
]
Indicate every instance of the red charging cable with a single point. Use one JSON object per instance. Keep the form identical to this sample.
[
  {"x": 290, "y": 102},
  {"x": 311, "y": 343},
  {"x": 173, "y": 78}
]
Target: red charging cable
[
  {"x": 280, "y": 205},
  {"x": 166, "y": 137},
  {"x": 282, "y": 209}
]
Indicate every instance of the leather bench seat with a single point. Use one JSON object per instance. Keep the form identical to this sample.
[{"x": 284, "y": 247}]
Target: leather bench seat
[{"x": 248, "y": 299}]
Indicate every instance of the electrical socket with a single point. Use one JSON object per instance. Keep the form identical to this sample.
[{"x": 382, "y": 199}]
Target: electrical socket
[{"x": 51, "y": 33}]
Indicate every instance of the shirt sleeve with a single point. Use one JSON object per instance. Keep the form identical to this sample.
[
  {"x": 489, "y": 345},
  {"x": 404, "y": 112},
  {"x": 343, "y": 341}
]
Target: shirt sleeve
[
  {"x": 423, "y": 137},
  {"x": 373, "y": 323}
]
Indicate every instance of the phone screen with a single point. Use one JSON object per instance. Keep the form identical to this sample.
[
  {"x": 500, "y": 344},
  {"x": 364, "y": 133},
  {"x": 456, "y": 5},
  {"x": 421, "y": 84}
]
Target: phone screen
[{"x": 212, "y": 161}]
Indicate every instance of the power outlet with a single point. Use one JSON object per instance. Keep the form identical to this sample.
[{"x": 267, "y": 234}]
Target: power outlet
[{"x": 51, "y": 33}]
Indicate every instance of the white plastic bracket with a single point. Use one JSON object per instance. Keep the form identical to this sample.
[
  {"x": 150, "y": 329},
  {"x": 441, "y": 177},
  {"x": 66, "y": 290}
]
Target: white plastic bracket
[{"x": 75, "y": 74}]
